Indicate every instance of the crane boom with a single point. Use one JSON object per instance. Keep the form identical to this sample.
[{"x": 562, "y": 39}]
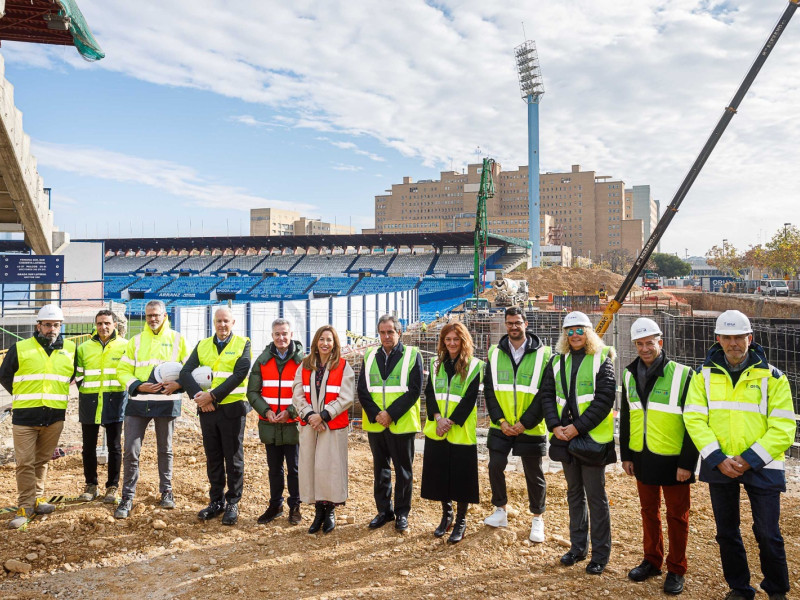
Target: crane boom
[
  {"x": 485, "y": 191},
  {"x": 683, "y": 190}
]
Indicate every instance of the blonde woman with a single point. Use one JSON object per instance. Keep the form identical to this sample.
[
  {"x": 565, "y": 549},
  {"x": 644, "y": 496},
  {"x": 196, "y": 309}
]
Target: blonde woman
[
  {"x": 324, "y": 388},
  {"x": 450, "y": 460},
  {"x": 577, "y": 395}
]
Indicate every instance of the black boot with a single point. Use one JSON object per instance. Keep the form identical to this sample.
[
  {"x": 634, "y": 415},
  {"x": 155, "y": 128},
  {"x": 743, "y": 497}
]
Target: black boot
[
  {"x": 447, "y": 520},
  {"x": 329, "y": 519},
  {"x": 319, "y": 516},
  {"x": 460, "y": 525}
]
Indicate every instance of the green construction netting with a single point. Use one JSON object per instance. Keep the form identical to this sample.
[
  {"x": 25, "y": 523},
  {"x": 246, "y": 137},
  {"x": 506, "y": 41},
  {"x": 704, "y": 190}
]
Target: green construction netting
[{"x": 81, "y": 34}]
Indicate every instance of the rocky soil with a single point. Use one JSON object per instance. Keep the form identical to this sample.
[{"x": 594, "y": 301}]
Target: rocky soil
[{"x": 82, "y": 552}]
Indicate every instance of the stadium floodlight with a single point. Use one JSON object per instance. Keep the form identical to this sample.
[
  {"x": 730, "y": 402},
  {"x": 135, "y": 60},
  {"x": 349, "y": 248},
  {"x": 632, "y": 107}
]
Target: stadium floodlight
[{"x": 531, "y": 86}]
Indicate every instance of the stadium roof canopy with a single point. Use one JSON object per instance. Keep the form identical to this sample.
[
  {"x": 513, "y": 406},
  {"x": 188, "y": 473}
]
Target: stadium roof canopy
[{"x": 371, "y": 240}]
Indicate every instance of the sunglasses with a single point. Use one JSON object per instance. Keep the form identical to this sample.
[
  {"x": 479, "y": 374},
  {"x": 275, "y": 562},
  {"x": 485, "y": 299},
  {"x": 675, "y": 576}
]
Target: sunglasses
[{"x": 578, "y": 330}]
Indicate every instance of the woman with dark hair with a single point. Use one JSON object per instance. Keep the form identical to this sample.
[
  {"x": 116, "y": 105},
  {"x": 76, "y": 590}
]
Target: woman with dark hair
[
  {"x": 450, "y": 461},
  {"x": 324, "y": 389}
]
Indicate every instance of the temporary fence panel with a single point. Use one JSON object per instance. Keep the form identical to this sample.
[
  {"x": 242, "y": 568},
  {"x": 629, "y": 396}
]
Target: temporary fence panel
[
  {"x": 297, "y": 312},
  {"x": 339, "y": 316},
  {"x": 371, "y": 314},
  {"x": 262, "y": 314}
]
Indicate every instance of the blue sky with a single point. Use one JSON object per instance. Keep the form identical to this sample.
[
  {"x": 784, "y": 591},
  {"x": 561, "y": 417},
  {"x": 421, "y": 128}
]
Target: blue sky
[{"x": 200, "y": 112}]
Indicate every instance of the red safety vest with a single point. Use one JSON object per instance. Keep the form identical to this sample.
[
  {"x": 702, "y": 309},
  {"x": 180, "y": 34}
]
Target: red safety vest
[
  {"x": 276, "y": 387},
  {"x": 331, "y": 393}
]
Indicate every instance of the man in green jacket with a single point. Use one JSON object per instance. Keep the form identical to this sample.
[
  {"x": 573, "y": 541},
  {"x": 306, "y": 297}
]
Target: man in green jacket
[{"x": 269, "y": 392}]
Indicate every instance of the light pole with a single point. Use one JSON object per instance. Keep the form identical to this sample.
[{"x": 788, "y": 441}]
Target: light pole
[{"x": 785, "y": 232}]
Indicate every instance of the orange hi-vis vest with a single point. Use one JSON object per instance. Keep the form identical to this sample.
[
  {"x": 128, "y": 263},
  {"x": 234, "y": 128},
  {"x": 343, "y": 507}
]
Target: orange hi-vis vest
[
  {"x": 276, "y": 387},
  {"x": 332, "y": 387}
]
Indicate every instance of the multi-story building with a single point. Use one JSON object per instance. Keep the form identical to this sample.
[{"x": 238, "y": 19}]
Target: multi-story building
[
  {"x": 579, "y": 209},
  {"x": 274, "y": 221},
  {"x": 639, "y": 204}
]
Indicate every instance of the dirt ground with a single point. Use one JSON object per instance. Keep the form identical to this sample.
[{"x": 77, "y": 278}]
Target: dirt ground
[
  {"x": 554, "y": 280},
  {"x": 81, "y": 551}
]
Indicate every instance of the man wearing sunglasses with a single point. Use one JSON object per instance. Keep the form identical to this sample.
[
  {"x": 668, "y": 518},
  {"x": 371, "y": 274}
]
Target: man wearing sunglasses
[{"x": 514, "y": 374}]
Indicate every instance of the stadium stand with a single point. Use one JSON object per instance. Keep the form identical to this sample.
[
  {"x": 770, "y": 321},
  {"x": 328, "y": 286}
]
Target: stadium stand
[
  {"x": 431, "y": 310},
  {"x": 150, "y": 284},
  {"x": 238, "y": 285},
  {"x": 196, "y": 286},
  {"x": 282, "y": 288},
  {"x": 197, "y": 264},
  {"x": 135, "y": 307},
  {"x": 113, "y": 286},
  {"x": 376, "y": 285},
  {"x": 323, "y": 264},
  {"x": 279, "y": 263},
  {"x": 454, "y": 264},
  {"x": 164, "y": 264},
  {"x": 411, "y": 264},
  {"x": 373, "y": 263},
  {"x": 242, "y": 264},
  {"x": 439, "y": 288},
  {"x": 125, "y": 264},
  {"x": 333, "y": 286}
]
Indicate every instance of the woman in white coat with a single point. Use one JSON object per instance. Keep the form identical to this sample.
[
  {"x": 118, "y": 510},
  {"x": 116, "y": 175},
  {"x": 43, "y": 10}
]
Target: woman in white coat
[{"x": 324, "y": 389}]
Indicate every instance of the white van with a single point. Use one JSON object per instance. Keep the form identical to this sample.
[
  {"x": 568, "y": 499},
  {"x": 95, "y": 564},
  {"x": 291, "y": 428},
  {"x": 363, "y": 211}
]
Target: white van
[{"x": 774, "y": 287}]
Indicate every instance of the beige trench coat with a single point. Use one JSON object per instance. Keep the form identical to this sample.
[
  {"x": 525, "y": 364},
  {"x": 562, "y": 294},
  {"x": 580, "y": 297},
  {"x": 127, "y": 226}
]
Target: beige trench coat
[{"x": 322, "y": 468}]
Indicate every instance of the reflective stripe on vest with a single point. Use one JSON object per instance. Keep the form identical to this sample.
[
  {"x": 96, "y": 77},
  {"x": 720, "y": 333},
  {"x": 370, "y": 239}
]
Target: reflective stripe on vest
[
  {"x": 660, "y": 427},
  {"x": 384, "y": 393},
  {"x": 42, "y": 380},
  {"x": 584, "y": 395},
  {"x": 222, "y": 365},
  {"x": 97, "y": 368},
  {"x": 448, "y": 395},
  {"x": 160, "y": 348},
  {"x": 276, "y": 387},
  {"x": 332, "y": 387},
  {"x": 515, "y": 391}
]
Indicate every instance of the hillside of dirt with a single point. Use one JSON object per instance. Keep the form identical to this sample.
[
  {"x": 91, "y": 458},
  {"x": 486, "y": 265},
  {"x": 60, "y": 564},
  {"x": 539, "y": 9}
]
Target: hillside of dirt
[
  {"x": 81, "y": 551},
  {"x": 577, "y": 281}
]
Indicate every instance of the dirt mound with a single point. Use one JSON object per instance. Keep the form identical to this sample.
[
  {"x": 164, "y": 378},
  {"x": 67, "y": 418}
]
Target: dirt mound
[{"x": 554, "y": 280}]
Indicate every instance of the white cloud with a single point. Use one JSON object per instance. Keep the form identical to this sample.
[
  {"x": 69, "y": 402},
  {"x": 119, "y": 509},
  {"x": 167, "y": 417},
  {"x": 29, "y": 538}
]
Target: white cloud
[
  {"x": 179, "y": 180},
  {"x": 633, "y": 86},
  {"x": 249, "y": 120},
  {"x": 343, "y": 167}
]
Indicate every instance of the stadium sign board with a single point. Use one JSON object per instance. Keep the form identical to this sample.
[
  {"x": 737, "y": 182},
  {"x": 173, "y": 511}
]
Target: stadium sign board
[{"x": 28, "y": 268}]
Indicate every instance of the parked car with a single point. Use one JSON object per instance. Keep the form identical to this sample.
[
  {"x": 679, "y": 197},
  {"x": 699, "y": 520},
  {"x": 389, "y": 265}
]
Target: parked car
[{"x": 774, "y": 287}]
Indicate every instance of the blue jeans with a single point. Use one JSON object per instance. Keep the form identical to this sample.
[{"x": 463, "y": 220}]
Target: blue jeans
[{"x": 766, "y": 507}]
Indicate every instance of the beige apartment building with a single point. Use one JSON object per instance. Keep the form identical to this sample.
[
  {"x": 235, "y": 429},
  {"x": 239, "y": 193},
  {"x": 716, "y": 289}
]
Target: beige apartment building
[
  {"x": 274, "y": 221},
  {"x": 579, "y": 209}
]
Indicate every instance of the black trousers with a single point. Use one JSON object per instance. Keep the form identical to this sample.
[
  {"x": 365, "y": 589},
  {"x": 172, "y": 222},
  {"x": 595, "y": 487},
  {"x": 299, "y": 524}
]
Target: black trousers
[
  {"x": 89, "y": 452},
  {"x": 397, "y": 449},
  {"x": 275, "y": 458},
  {"x": 534, "y": 479},
  {"x": 222, "y": 442}
]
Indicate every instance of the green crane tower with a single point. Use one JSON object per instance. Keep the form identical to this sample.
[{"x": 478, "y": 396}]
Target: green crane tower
[{"x": 485, "y": 191}]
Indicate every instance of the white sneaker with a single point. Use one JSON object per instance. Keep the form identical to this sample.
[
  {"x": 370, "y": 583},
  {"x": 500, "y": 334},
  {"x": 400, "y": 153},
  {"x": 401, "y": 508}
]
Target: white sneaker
[
  {"x": 499, "y": 518},
  {"x": 537, "y": 530}
]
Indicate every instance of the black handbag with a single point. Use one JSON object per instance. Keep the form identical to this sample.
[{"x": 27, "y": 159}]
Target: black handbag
[{"x": 583, "y": 447}]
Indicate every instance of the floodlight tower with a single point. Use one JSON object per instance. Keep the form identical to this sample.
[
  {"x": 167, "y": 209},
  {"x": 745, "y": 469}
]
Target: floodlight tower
[{"x": 532, "y": 88}]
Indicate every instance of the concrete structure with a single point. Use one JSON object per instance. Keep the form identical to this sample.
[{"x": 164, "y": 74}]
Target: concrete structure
[
  {"x": 274, "y": 221},
  {"x": 585, "y": 210},
  {"x": 557, "y": 256}
]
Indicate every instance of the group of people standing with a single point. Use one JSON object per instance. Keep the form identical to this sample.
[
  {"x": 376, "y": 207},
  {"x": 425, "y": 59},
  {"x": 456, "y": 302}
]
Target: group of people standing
[{"x": 735, "y": 413}]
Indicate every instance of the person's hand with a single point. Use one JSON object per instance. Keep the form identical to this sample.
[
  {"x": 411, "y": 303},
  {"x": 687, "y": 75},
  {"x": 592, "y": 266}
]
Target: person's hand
[
  {"x": 507, "y": 429},
  {"x": 559, "y": 433},
  {"x": 383, "y": 418},
  {"x": 519, "y": 428},
  {"x": 281, "y": 417},
  {"x": 203, "y": 399},
  {"x": 730, "y": 468},
  {"x": 150, "y": 388},
  {"x": 170, "y": 388},
  {"x": 317, "y": 423},
  {"x": 743, "y": 464},
  {"x": 683, "y": 474},
  {"x": 208, "y": 408},
  {"x": 627, "y": 466},
  {"x": 570, "y": 431},
  {"x": 443, "y": 425},
  {"x": 270, "y": 416}
]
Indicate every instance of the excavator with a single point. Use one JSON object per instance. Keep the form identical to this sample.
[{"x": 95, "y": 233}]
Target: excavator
[{"x": 694, "y": 171}]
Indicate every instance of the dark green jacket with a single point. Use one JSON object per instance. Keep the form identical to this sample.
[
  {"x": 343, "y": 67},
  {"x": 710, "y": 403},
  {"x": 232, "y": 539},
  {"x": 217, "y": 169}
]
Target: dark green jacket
[{"x": 280, "y": 434}]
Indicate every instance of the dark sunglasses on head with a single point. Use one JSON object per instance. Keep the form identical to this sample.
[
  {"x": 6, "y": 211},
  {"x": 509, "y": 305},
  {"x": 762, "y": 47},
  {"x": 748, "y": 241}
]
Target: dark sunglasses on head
[{"x": 578, "y": 330}]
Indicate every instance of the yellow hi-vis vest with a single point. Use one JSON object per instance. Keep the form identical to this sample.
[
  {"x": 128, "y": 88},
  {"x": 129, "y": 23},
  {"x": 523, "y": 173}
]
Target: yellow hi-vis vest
[
  {"x": 660, "y": 426},
  {"x": 757, "y": 414},
  {"x": 97, "y": 366},
  {"x": 147, "y": 350},
  {"x": 42, "y": 380},
  {"x": 384, "y": 393},
  {"x": 584, "y": 394},
  {"x": 222, "y": 365},
  {"x": 515, "y": 392},
  {"x": 448, "y": 395}
]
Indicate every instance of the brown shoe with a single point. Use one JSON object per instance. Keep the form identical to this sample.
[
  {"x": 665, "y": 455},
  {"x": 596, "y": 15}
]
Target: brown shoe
[{"x": 294, "y": 515}]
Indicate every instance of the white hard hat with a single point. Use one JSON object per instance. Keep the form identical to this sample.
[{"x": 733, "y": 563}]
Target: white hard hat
[
  {"x": 50, "y": 312},
  {"x": 203, "y": 376},
  {"x": 167, "y": 372},
  {"x": 644, "y": 327},
  {"x": 732, "y": 322},
  {"x": 575, "y": 319}
]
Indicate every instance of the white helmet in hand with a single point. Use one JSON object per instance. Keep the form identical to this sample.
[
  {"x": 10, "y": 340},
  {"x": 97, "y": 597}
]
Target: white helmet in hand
[
  {"x": 203, "y": 376},
  {"x": 167, "y": 372}
]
